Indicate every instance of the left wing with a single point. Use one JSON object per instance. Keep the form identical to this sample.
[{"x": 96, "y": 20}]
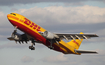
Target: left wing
[{"x": 21, "y": 37}]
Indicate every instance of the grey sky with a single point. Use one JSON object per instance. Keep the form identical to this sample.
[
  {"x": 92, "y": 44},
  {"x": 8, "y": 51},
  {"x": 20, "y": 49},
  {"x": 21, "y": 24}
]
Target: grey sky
[{"x": 12, "y": 2}]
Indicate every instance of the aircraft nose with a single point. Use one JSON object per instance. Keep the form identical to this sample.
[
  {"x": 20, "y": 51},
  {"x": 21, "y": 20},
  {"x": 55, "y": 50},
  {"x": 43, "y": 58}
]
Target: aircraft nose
[{"x": 8, "y": 16}]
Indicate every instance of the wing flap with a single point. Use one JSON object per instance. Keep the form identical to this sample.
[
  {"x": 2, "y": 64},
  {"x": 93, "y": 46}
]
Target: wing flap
[{"x": 83, "y": 51}]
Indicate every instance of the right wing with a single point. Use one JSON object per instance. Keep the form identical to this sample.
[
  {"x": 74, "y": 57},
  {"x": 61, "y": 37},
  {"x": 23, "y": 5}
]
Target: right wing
[{"x": 69, "y": 36}]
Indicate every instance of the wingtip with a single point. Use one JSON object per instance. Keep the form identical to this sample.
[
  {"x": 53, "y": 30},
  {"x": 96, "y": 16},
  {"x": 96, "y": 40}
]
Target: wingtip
[
  {"x": 96, "y": 35},
  {"x": 96, "y": 52}
]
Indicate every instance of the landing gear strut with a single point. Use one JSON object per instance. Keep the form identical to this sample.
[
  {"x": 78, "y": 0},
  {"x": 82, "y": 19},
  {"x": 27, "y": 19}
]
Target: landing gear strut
[
  {"x": 51, "y": 47},
  {"x": 14, "y": 32},
  {"x": 32, "y": 45}
]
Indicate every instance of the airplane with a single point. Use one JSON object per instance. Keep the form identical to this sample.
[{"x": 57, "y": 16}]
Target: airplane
[{"x": 37, "y": 34}]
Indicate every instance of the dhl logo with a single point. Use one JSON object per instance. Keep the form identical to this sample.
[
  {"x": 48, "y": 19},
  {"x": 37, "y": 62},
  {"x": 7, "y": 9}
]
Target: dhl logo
[{"x": 31, "y": 24}]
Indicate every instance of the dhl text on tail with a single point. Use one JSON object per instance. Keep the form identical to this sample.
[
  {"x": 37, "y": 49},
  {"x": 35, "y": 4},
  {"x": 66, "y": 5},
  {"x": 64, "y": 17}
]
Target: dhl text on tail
[{"x": 37, "y": 34}]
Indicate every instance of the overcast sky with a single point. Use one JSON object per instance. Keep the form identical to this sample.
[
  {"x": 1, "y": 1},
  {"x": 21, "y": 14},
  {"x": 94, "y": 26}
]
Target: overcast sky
[{"x": 59, "y": 16}]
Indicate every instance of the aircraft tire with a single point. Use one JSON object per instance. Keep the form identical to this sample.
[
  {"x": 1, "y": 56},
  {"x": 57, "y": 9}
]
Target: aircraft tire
[
  {"x": 50, "y": 47},
  {"x": 31, "y": 47}
]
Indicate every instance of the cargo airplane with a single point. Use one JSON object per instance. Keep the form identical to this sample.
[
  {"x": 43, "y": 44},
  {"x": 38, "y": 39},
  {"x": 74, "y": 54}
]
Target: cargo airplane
[{"x": 37, "y": 34}]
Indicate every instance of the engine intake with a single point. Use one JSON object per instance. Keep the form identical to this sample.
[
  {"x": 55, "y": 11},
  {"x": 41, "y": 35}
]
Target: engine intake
[
  {"x": 16, "y": 36},
  {"x": 49, "y": 35}
]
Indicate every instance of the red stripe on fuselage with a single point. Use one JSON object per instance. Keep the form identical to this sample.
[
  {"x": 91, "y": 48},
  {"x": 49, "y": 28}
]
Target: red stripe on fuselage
[{"x": 35, "y": 35}]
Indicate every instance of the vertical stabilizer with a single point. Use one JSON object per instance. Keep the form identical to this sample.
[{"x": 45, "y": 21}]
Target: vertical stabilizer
[{"x": 75, "y": 43}]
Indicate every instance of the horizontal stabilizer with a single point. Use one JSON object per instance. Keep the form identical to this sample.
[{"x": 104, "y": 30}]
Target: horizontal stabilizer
[{"x": 82, "y": 51}]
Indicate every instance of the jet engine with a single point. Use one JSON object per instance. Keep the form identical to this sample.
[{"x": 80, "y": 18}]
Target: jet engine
[
  {"x": 49, "y": 35},
  {"x": 16, "y": 36}
]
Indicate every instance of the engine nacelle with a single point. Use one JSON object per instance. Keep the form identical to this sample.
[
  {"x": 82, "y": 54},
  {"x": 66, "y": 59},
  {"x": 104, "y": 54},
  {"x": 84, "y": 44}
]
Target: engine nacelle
[
  {"x": 16, "y": 36},
  {"x": 49, "y": 35}
]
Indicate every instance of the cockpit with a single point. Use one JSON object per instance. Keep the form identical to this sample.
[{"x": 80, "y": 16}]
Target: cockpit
[{"x": 13, "y": 14}]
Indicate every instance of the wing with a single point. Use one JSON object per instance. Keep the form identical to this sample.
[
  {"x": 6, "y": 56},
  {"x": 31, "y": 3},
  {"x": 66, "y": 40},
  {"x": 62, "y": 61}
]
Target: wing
[
  {"x": 22, "y": 38},
  {"x": 76, "y": 36}
]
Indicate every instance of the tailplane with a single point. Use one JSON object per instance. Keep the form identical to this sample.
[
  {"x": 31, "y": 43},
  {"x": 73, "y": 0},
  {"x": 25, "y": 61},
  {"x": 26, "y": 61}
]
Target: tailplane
[{"x": 82, "y": 51}]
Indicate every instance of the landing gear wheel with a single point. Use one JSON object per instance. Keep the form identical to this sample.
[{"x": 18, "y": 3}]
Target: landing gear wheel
[
  {"x": 32, "y": 44},
  {"x": 51, "y": 47},
  {"x": 31, "y": 47}
]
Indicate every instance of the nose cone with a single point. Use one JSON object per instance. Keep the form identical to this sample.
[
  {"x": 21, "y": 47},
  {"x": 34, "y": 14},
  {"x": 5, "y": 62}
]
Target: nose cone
[
  {"x": 12, "y": 18},
  {"x": 8, "y": 16}
]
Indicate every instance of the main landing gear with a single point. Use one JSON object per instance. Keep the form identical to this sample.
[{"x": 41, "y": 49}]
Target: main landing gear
[
  {"x": 51, "y": 47},
  {"x": 32, "y": 45}
]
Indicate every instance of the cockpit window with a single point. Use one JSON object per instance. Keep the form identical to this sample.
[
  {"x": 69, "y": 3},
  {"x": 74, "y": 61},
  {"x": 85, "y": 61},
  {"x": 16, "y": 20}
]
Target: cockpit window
[{"x": 13, "y": 14}]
